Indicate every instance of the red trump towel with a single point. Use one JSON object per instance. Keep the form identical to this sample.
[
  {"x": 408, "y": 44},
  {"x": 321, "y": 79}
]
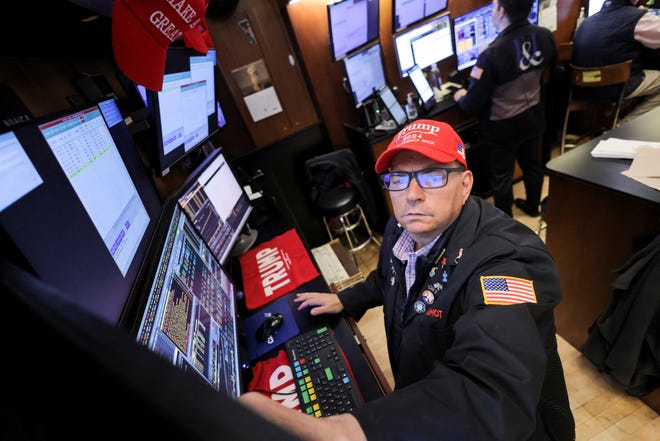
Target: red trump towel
[
  {"x": 275, "y": 268},
  {"x": 273, "y": 377}
]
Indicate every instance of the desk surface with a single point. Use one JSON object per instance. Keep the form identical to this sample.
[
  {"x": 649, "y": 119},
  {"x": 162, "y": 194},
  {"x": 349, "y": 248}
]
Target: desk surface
[
  {"x": 605, "y": 172},
  {"x": 368, "y": 377}
]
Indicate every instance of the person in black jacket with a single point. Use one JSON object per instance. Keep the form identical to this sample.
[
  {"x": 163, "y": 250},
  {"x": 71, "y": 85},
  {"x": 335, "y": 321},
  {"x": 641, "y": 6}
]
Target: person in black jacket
[
  {"x": 618, "y": 32},
  {"x": 468, "y": 295},
  {"x": 505, "y": 91}
]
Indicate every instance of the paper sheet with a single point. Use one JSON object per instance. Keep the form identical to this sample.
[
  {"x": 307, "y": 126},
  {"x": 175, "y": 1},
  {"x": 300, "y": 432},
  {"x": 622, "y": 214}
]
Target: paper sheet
[
  {"x": 620, "y": 148},
  {"x": 331, "y": 268},
  {"x": 645, "y": 168}
]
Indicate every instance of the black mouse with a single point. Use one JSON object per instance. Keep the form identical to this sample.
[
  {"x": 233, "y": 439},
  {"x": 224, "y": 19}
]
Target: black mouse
[{"x": 270, "y": 326}]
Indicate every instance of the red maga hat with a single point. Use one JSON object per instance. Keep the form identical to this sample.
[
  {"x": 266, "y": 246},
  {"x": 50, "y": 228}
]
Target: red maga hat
[
  {"x": 142, "y": 30},
  {"x": 434, "y": 139}
]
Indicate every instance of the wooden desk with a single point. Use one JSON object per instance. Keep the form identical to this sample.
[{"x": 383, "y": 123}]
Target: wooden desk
[{"x": 596, "y": 217}]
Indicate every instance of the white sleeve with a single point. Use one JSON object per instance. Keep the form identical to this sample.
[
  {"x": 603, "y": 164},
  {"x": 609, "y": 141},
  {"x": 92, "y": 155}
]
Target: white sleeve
[{"x": 647, "y": 30}]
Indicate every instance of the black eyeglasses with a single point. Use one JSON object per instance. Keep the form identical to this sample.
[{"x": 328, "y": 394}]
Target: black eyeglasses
[{"x": 427, "y": 178}]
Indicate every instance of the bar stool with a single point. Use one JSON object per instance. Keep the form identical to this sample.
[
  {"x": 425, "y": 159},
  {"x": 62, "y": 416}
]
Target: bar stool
[
  {"x": 340, "y": 196},
  {"x": 343, "y": 216}
]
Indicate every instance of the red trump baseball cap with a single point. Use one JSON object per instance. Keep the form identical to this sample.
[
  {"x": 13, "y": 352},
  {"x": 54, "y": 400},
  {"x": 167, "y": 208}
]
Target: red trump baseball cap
[
  {"x": 142, "y": 30},
  {"x": 434, "y": 139}
]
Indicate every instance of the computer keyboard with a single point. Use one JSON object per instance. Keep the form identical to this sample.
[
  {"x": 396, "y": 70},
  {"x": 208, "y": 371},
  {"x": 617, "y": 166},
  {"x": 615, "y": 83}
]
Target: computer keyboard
[
  {"x": 452, "y": 88},
  {"x": 322, "y": 378}
]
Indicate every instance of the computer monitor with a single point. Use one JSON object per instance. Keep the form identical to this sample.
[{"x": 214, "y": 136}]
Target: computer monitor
[
  {"x": 534, "y": 13},
  {"x": 407, "y": 12},
  {"x": 594, "y": 6},
  {"x": 424, "y": 44},
  {"x": 187, "y": 312},
  {"x": 423, "y": 87},
  {"x": 365, "y": 73},
  {"x": 473, "y": 32},
  {"x": 78, "y": 204},
  {"x": 392, "y": 105},
  {"x": 185, "y": 112},
  {"x": 216, "y": 204},
  {"x": 352, "y": 24}
]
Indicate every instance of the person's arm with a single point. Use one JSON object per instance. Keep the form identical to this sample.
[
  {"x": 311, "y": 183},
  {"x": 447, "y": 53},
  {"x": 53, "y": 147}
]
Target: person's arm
[
  {"x": 342, "y": 427},
  {"x": 480, "y": 90},
  {"x": 647, "y": 31}
]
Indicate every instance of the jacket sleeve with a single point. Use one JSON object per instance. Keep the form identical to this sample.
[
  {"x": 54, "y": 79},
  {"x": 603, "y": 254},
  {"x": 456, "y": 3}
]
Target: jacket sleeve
[
  {"x": 481, "y": 87},
  {"x": 487, "y": 385}
]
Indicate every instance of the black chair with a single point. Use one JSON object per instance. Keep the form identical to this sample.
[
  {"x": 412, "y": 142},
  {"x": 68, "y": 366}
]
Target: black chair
[{"x": 342, "y": 197}]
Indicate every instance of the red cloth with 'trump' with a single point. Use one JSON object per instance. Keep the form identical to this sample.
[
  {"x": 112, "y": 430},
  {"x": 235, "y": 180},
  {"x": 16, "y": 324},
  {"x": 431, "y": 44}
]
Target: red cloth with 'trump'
[{"x": 275, "y": 268}]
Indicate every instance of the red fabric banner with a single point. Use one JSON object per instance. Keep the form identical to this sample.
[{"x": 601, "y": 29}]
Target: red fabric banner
[
  {"x": 275, "y": 268},
  {"x": 273, "y": 377}
]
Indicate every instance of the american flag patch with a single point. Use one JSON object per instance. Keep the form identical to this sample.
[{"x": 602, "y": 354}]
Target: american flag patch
[{"x": 505, "y": 290}]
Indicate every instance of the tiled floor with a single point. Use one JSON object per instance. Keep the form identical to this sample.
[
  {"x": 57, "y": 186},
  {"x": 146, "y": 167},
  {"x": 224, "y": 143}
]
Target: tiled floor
[{"x": 602, "y": 411}]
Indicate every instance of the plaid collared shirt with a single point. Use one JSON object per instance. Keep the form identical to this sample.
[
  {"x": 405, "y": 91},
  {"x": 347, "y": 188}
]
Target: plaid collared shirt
[{"x": 404, "y": 250}]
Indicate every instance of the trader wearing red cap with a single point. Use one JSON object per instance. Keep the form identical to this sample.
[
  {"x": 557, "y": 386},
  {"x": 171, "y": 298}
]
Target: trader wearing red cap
[{"x": 468, "y": 296}]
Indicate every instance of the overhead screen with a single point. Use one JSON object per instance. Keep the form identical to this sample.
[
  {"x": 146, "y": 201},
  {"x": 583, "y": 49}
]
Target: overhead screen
[
  {"x": 352, "y": 24},
  {"x": 79, "y": 204},
  {"x": 424, "y": 44},
  {"x": 407, "y": 12},
  {"x": 365, "y": 74},
  {"x": 185, "y": 112}
]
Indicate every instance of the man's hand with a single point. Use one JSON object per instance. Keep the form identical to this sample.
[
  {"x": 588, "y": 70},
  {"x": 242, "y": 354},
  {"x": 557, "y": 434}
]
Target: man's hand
[
  {"x": 460, "y": 93},
  {"x": 319, "y": 302}
]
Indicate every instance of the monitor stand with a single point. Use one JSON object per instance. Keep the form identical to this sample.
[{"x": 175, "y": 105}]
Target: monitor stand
[{"x": 245, "y": 240}]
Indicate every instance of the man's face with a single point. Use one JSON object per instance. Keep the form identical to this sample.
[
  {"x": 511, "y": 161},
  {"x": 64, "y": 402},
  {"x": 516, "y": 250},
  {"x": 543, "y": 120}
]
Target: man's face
[{"x": 427, "y": 212}]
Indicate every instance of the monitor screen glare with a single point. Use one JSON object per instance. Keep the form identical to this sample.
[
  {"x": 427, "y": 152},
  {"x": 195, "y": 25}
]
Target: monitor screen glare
[
  {"x": 365, "y": 73},
  {"x": 424, "y": 44},
  {"x": 352, "y": 23},
  {"x": 407, "y": 12}
]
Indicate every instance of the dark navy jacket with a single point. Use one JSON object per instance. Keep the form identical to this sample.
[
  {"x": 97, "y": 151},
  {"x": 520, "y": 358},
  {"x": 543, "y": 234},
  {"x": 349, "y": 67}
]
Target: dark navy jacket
[
  {"x": 507, "y": 95},
  {"x": 608, "y": 37},
  {"x": 464, "y": 369}
]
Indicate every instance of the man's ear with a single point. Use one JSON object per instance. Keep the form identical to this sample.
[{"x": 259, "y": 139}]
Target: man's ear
[{"x": 467, "y": 180}]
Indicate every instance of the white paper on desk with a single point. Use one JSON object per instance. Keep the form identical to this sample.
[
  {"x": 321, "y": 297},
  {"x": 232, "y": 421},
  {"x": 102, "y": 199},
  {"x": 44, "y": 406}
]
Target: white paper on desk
[
  {"x": 645, "y": 168},
  {"x": 331, "y": 268},
  {"x": 620, "y": 148}
]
